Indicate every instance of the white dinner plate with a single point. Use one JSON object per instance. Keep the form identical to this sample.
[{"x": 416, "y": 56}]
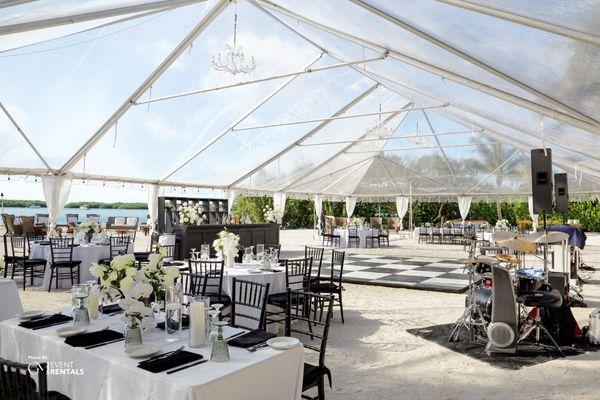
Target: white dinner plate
[
  {"x": 30, "y": 314},
  {"x": 283, "y": 342},
  {"x": 142, "y": 351},
  {"x": 255, "y": 271},
  {"x": 70, "y": 331}
]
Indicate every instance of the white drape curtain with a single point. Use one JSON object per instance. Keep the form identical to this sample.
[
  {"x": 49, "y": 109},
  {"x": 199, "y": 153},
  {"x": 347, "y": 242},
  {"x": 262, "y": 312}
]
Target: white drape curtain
[
  {"x": 56, "y": 193},
  {"x": 279, "y": 204},
  {"x": 153, "y": 206},
  {"x": 318, "y": 208},
  {"x": 464, "y": 204},
  {"x": 231, "y": 196},
  {"x": 401, "y": 208},
  {"x": 350, "y": 204},
  {"x": 534, "y": 217}
]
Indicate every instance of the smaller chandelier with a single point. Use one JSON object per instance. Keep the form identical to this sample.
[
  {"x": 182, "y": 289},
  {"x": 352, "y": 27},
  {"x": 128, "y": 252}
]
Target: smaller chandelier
[
  {"x": 235, "y": 61},
  {"x": 417, "y": 138},
  {"x": 380, "y": 130}
]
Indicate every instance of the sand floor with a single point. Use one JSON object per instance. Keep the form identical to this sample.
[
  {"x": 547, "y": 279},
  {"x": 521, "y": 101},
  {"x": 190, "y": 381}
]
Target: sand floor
[{"x": 372, "y": 356}]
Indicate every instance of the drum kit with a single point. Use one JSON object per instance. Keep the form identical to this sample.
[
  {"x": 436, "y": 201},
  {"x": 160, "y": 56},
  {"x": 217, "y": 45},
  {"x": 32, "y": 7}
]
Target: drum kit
[{"x": 529, "y": 288}]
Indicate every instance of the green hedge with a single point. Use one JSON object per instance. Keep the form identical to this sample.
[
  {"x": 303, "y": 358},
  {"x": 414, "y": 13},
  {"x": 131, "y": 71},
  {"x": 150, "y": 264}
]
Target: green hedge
[{"x": 299, "y": 213}]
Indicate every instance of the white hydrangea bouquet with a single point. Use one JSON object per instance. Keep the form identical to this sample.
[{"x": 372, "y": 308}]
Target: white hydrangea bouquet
[
  {"x": 356, "y": 221},
  {"x": 502, "y": 224},
  {"x": 89, "y": 227},
  {"x": 271, "y": 215},
  {"x": 117, "y": 276},
  {"x": 227, "y": 244},
  {"x": 189, "y": 214}
]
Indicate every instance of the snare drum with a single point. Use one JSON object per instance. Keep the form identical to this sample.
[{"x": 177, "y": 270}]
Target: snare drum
[{"x": 484, "y": 296}]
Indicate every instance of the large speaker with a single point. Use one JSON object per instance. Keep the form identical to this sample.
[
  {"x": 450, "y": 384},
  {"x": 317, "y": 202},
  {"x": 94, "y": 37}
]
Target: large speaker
[
  {"x": 561, "y": 193},
  {"x": 503, "y": 330},
  {"x": 541, "y": 180}
]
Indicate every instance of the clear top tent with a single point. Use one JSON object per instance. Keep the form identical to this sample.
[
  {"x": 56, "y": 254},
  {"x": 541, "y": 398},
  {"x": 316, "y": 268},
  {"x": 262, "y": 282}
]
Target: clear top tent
[{"x": 125, "y": 91}]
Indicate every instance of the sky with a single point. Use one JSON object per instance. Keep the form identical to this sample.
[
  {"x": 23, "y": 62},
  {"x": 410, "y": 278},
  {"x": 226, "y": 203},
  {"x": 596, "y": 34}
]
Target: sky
[{"x": 62, "y": 90}]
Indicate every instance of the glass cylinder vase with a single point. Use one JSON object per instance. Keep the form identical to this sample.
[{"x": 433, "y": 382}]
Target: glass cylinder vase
[
  {"x": 133, "y": 331},
  {"x": 173, "y": 311}
]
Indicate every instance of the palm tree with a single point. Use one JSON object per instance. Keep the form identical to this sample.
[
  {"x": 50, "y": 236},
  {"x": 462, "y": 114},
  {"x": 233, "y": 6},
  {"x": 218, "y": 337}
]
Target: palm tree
[{"x": 492, "y": 156}]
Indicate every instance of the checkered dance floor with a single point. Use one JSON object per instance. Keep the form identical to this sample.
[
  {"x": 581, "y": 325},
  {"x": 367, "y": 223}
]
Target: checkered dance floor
[{"x": 415, "y": 273}]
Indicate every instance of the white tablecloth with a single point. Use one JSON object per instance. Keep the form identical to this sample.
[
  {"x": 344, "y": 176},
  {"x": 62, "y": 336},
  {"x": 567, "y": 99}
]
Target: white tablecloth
[
  {"x": 362, "y": 233},
  {"x": 86, "y": 253},
  {"x": 108, "y": 373},
  {"x": 10, "y": 303}
]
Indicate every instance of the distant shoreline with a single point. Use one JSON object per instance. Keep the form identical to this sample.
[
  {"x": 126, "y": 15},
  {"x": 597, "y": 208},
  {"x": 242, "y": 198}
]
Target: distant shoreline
[{"x": 78, "y": 204}]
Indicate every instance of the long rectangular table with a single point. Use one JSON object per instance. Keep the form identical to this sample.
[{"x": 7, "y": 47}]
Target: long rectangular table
[
  {"x": 108, "y": 373},
  {"x": 10, "y": 303}
]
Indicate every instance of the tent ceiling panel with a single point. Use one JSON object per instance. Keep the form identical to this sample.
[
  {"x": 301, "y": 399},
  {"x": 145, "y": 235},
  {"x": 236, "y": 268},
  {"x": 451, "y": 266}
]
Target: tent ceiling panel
[
  {"x": 68, "y": 96},
  {"x": 15, "y": 151}
]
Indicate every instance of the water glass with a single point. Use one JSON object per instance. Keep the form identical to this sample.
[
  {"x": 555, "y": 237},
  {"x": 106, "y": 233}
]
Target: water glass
[
  {"x": 204, "y": 252},
  {"x": 173, "y": 311},
  {"x": 80, "y": 294},
  {"x": 193, "y": 254},
  {"x": 220, "y": 350},
  {"x": 260, "y": 249}
]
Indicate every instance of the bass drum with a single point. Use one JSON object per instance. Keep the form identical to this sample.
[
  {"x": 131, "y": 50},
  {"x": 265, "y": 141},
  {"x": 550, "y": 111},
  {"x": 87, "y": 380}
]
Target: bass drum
[{"x": 484, "y": 297}]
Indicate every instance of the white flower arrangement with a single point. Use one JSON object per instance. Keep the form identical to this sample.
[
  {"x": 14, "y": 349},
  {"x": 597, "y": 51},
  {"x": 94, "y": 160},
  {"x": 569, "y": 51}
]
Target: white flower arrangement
[
  {"x": 157, "y": 275},
  {"x": 89, "y": 226},
  {"x": 271, "y": 215},
  {"x": 356, "y": 221},
  {"x": 189, "y": 214},
  {"x": 502, "y": 224},
  {"x": 427, "y": 225},
  {"x": 226, "y": 241},
  {"x": 117, "y": 277}
]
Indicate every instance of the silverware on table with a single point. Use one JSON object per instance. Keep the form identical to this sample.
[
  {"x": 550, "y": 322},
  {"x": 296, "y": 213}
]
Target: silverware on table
[
  {"x": 103, "y": 343},
  {"x": 252, "y": 349},
  {"x": 236, "y": 335},
  {"x": 186, "y": 366},
  {"x": 164, "y": 355}
]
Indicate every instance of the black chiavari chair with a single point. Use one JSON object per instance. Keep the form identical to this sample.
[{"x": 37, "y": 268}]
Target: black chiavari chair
[
  {"x": 245, "y": 296},
  {"x": 332, "y": 284},
  {"x": 34, "y": 267},
  {"x": 316, "y": 253},
  {"x": 211, "y": 272},
  {"x": 61, "y": 250},
  {"x": 297, "y": 277},
  {"x": 118, "y": 245},
  {"x": 17, "y": 382}
]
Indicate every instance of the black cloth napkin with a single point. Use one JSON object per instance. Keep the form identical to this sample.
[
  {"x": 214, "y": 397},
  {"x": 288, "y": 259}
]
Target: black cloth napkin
[
  {"x": 163, "y": 364},
  {"x": 112, "y": 308},
  {"x": 92, "y": 338},
  {"x": 185, "y": 323},
  {"x": 43, "y": 243},
  {"x": 39, "y": 323},
  {"x": 251, "y": 338}
]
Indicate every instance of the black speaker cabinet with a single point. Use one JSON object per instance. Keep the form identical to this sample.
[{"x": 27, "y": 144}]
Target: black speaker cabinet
[
  {"x": 561, "y": 193},
  {"x": 541, "y": 180}
]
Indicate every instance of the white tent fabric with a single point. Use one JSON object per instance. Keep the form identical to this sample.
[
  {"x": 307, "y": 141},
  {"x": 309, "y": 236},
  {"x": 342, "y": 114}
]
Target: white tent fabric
[
  {"x": 56, "y": 193},
  {"x": 279, "y": 199},
  {"x": 318, "y": 200},
  {"x": 464, "y": 204},
  {"x": 534, "y": 217},
  {"x": 401, "y": 208},
  {"x": 153, "y": 191},
  {"x": 350, "y": 205},
  {"x": 462, "y": 105},
  {"x": 231, "y": 196}
]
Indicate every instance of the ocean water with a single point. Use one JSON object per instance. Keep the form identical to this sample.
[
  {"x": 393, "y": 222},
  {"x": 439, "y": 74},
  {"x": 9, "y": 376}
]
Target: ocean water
[{"x": 103, "y": 212}]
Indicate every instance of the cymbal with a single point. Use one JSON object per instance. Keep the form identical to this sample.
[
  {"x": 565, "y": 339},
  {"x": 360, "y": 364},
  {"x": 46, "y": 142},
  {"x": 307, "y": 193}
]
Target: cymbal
[
  {"x": 503, "y": 235},
  {"x": 509, "y": 258},
  {"x": 481, "y": 260},
  {"x": 519, "y": 244},
  {"x": 552, "y": 237}
]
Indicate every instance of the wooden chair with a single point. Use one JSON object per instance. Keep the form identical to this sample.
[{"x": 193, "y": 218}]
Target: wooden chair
[
  {"x": 118, "y": 246},
  {"x": 246, "y": 295},
  {"x": 61, "y": 250},
  {"x": 384, "y": 235},
  {"x": 314, "y": 311},
  {"x": 332, "y": 284},
  {"x": 34, "y": 267},
  {"x": 297, "y": 277},
  {"x": 373, "y": 238},
  {"x": 16, "y": 382},
  {"x": 211, "y": 272},
  {"x": 353, "y": 236},
  {"x": 316, "y": 253},
  {"x": 27, "y": 224},
  {"x": 393, "y": 224}
]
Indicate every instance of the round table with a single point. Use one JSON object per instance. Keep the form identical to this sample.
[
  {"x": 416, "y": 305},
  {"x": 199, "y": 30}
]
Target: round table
[
  {"x": 10, "y": 303},
  {"x": 362, "y": 233},
  {"x": 86, "y": 253}
]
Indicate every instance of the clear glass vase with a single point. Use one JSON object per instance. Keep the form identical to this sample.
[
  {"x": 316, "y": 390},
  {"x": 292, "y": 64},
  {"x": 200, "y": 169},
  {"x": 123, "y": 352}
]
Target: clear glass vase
[
  {"x": 133, "y": 331},
  {"x": 220, "y": 349},
  {"x": 173, "y": 311}
]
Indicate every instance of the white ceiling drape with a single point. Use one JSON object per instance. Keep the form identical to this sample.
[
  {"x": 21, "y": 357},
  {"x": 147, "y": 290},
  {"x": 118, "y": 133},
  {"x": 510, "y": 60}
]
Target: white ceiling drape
[
  {"x": 56, "y": 193},
  {"x": 318, "y": 206},
  {"x": 231, "y": 196},
  {"x": 153, "y": 206},
  {"x": 279, "y": 204},
  {"x": 401, "y": 208},
  {"x": 534, "y": 217},
  {"x": 464, "y": 204},
  {"x": 350, "y": 204}
]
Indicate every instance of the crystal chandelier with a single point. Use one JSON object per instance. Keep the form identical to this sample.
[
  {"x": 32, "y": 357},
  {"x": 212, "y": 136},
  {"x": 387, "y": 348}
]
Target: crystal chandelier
[
  {"x": 380, "y": 129},
  {"x": 417, "y": 138},
  {"x": 235, "y": 61}
]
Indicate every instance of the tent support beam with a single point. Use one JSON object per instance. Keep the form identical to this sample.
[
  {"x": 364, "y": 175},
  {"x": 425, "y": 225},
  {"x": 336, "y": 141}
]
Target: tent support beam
[
  {"x": 239, "y": 120},
  {"x": 308, "y": 135},
  {"x": 406, "y": 108},
  {"x": 353, "y": 170},
  {"x": 420, "y": 148},
  {"x": 271, "y": 78},
  {"x": 391, "y": 138},
  {"x": 522, "y": 20},
  {"x": 396, "y": 21},
  {"x": 592, "y": 125},
  {"x": 327, "y": 119},
  {"x": 466, "y": 109},
  {"x": 158, "y": 71},
  {"x": 498, "y": 168},
  {"x": 12, "y": 120},
  {"x": 114, "y": 12},
  {"x": 437, "y": 140}
]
